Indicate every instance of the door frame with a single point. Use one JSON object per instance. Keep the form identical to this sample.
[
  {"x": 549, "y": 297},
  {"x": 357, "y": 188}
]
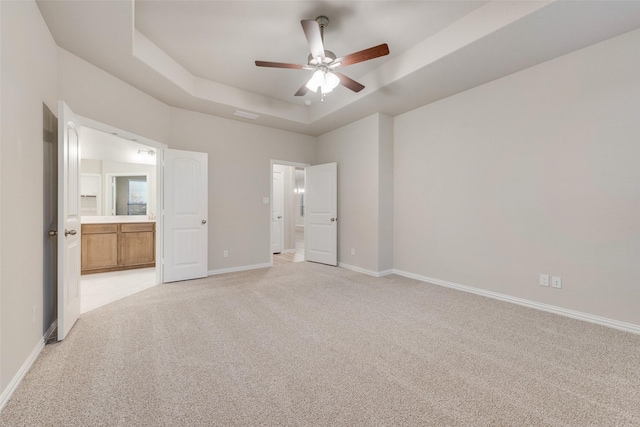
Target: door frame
[
  {"x": 281, "y": 163},
  {"x": 160, "y": 147}
]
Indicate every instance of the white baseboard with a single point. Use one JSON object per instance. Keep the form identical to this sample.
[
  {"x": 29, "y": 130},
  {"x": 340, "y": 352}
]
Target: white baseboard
[
  {"x": 17, "y": 379},
  {"x": 289, "y": 251},
  {"x": 365, "y": 271},
  {"x": 242, "y": 268},
  {"x": 623, "y": 326}
]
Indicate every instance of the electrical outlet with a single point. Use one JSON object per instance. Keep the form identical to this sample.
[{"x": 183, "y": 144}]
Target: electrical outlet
[
  {"x": 556, "y": 282},
  {"x": 353, "y": 251},
  {"x": 225, "y": 253},
  {"x": 544, "y": 279}
]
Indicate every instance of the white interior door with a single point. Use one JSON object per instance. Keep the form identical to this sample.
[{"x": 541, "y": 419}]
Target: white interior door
[
  {"x": 68, "y": 220},
  {"x": 277, "y": 214},
  {"x": 321, "y": 214},
  {"x": 185, "y": 215}
]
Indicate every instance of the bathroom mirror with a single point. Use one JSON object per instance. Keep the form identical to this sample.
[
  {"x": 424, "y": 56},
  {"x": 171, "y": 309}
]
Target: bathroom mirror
[{"x": 130, "y": 195}]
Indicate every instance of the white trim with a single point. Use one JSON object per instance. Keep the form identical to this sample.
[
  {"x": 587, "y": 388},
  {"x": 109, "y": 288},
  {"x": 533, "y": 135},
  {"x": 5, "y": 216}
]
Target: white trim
[
  {"x": 242, "y": 268},
  {"x": 18, "y": 377},
  {"x": 289, "y": 251},
  {"x": 49, "y": 332},
  {"x": 365, "y": 271},
  {"x": 603, "y": 321}
]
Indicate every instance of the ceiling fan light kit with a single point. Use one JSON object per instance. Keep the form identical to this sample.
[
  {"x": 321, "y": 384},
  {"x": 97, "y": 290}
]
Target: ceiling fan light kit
[
  {"x": 323, "y": 79},
  {"x": 324, "y": 62}
]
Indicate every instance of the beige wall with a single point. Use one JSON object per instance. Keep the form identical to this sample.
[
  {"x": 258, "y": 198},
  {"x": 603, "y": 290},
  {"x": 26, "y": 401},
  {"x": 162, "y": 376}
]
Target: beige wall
[
  {"x": 98, "y": 95},
  {"x": 240, "y": 157},
  {"x": 356, "y": 149},
  {"x": 28, "y": 79},
  {"x": 385, "y": 189},
  {"x": 534, "y": 173}
]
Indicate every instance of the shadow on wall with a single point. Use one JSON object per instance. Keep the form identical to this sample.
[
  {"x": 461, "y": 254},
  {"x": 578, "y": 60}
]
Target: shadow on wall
[{"x": 50, "y": 218}]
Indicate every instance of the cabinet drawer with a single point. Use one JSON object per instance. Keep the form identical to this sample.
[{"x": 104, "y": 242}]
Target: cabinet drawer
[
  {"x": 99, "y": 228},
  {"x": 137, "y": 227}
]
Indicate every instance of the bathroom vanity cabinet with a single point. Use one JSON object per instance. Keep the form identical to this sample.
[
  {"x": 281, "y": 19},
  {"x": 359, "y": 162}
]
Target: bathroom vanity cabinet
[{"x": 118, "y": 246}]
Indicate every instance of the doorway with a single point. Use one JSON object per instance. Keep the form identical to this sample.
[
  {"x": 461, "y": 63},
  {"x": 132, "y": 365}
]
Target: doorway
[
  {"x": 118, "y": 185},
  {"x": 287, "y": 212}
]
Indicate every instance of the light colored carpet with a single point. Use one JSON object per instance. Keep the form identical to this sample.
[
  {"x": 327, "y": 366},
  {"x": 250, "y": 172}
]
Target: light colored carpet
[{"x": 306, "y": 344}]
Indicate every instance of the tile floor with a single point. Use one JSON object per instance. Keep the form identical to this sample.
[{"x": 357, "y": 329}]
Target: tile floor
[{"x": 102, "y": 288}]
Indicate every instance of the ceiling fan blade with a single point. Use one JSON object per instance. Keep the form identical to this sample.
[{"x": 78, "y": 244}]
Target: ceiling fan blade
[
  {"x": 349, "y": 83},
  {"x": 314, "y": 37},
  {"x": 279, "y": 65},
  {"x": 364, "y": 55},
  {"x": 302, "y": 91}
]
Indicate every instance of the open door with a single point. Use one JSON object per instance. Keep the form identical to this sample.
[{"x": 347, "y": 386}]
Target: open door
[
  {"x": 185, "y": 215},
  {"x": 68, "y": 220},
  {"x": 277, "y": 215},
  {"x": 321, "y": 214}
]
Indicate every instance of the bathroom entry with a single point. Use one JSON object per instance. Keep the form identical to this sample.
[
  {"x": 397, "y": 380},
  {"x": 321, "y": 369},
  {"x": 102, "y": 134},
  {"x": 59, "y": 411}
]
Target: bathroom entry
[{"x": 118, "y": 192}]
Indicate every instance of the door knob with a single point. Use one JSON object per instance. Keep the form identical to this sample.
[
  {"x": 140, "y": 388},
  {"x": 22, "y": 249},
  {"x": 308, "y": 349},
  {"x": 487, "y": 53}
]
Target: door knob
[
  {"x": 72, "y": 232},
  {"x": 334, "y": 219},
  {"x": 53, "y": 233},
  {"x": 204, "y": 221},
  {"x": 280, "y": 217}
]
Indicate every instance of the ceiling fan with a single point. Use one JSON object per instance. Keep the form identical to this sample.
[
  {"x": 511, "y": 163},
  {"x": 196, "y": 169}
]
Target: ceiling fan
[{"x": 324, "y": 62}]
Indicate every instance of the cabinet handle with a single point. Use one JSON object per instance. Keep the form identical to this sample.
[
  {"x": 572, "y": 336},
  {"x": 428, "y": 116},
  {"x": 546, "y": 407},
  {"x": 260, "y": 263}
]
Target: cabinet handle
[
  {"x": 72, "y": 232},
  {"x": 204, "y": 221}
]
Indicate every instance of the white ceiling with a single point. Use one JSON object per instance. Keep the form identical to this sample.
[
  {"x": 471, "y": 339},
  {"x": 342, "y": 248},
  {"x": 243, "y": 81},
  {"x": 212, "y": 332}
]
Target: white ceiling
[{"x": 199, "y": 55}]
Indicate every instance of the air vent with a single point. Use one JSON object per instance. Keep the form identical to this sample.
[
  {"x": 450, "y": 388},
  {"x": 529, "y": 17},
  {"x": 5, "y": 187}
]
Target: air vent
[{"x": 246, "y": 115}]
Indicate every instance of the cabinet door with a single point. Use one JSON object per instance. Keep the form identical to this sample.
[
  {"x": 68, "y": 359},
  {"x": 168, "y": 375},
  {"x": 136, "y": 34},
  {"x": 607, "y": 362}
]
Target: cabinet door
[
  {"x": 137, "y": 244},
  {"x": 99, "y": 246}
]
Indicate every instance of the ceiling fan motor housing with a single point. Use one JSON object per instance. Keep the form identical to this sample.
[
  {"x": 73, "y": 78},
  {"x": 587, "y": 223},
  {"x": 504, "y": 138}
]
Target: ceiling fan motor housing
[
  {"x": 329, "y": 57},
  {"x": 323, "y": 21}
]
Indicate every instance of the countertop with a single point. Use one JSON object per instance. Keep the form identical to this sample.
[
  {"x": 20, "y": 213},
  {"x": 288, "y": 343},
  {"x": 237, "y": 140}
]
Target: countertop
[{"x": 115, "y": 219}]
